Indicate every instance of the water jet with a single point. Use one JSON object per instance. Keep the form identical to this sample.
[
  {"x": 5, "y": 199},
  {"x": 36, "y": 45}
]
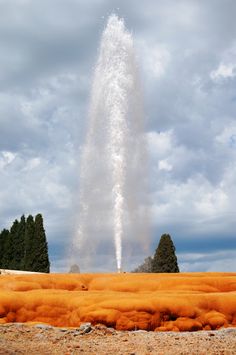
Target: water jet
[{"x": 113, "y": 157}]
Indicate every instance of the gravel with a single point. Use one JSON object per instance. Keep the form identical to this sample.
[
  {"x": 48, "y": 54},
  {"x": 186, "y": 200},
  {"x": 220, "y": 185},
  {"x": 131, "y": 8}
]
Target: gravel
[{"x": 42, "y": 339}]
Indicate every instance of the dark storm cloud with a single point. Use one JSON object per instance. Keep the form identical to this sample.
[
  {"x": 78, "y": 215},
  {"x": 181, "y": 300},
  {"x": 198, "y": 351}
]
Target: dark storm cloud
[{"x": 186, "y": 55}]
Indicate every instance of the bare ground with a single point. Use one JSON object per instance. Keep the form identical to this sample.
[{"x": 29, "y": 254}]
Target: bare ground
[{"x": 17, "y": 338}]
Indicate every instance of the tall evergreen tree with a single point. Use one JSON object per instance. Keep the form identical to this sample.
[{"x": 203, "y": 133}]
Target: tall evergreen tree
[
  {"x": 28, "y": 257},
  {"x": 3, "y": 239},
  {"x": 146, "y": 266},
  {"x": 164, "y": 259},
  {"x": 14, "y": 239},
  {"x": 18, "y": 236},
  {"x": 7, "y": 257},
  {"x": 25, "y": 246},
  {"x": 21, "y": 243},
  {"x": 1, "y": 247},
  {"x": 40, "y": 247}
]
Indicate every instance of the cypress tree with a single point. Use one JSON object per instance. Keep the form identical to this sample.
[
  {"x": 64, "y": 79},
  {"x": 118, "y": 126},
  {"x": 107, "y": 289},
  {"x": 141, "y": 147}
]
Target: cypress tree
[
  {"x": 28, "y": 257},
  {"x": 3, "y": 238},
  {"x": 1, "y": 247},
  {"x": 164, "y": 259},
  {"x": 18, "y": 236},
  {"x": 21, "y": 243},
  {"x": 14, "y": 239},
  {"x": 40, "y": 247},
  {"x": 25, "y": 246},
  {"x": 7, "y": 258}
]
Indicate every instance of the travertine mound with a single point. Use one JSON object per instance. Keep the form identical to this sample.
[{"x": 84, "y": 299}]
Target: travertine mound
[{"x": 179, "y": 302}]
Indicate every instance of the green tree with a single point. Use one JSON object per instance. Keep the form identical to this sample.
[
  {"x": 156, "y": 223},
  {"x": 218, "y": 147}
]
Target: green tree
[
  {"x": 25, "y": 246},
  {"x": 14, "y": 245},
  {"x": 164, "y": 259},
  {"x": 28, "y": 257},
  {"x": 21, "y": 243},
  {"x": 3, "y": 238},
  {"x": 146, "y": 266},
  {"x": 40, "y": 247},
  {"x": 18, "y": 237},
  {"x": 7, "y": 251}
]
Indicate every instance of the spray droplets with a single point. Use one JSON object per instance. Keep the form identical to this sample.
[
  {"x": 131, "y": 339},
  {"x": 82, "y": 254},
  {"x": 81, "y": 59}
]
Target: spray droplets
[{"x": 110, "y": 178}]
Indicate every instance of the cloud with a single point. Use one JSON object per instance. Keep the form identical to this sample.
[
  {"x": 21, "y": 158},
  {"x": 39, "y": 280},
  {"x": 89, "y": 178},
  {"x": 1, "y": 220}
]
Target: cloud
[
  {"x": 164, "y": 165},
  {"x": 6, "y": 158},
  {"x": 223, "y": 71},
  {"x": 155, "y": 58},
  {"x": 186, "y": 57},
  {"x": 211, "y": 262}
]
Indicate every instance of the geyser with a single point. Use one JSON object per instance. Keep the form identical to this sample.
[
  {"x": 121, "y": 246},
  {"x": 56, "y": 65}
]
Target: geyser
[{"x": 112, "y": 169}]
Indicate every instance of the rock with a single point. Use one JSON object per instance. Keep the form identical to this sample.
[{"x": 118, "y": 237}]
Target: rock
[
  {"x": 57, "y": 338},
  {"x": 76, "y": 346},
  {"x": 110, "y": 330},
  {"x": 85, "y": 328},
  {"x": 140, "y": 331},
  {"x": 19, "y": 324},
  {"x": 76, "y": 333},
  {"x": 43, "y": 326},
  {"x": 101, "y": 327},
  {"x": 227, "y": 330}
]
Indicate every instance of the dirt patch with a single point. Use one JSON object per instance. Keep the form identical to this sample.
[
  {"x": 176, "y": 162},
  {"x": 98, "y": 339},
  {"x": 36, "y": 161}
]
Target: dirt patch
[{"x": 42, "y": 339}]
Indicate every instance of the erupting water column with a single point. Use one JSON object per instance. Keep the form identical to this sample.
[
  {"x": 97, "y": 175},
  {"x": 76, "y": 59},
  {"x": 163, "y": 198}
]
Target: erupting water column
[{"x": 114, "y": 152}]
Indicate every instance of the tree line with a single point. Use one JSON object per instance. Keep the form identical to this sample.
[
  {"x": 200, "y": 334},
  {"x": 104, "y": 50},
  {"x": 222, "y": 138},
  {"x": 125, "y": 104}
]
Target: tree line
[
  {"x": 164, "y": 259},
  {"x": 24, "y": 246}
]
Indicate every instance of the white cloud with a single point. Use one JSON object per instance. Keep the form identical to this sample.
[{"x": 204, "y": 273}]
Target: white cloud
[
  {"x": 164, "y": 165},
  {"x": 46, "y": 68},
  {"x": 160, "y": 143},
  {"x": 223, "y": 71},
  {"x": 183, "y": 196},
  {"x": 211, "y": 202},
  {"x": 202, "y": 207},
  {"x": 32, "y": 164},
  {"x": 155, "y": 58},
  {"x": 228, "y": 136},
  {"x": 6, "y": 158}
]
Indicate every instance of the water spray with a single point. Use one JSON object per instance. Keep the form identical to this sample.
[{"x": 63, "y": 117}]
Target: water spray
[{"x": 112, "y": 157}]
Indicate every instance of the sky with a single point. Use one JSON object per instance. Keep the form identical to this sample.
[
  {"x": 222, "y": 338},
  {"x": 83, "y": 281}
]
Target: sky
[{"x": 186, "y": 54}]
